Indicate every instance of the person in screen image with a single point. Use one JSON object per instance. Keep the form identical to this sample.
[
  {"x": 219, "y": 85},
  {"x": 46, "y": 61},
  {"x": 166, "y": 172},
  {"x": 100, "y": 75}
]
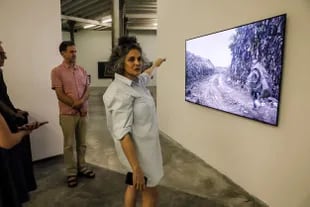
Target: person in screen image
[{"x": 258, "y": 84}]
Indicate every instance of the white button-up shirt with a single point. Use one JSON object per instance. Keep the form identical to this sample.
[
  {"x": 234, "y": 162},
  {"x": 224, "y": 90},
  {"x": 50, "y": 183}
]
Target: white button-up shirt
[{"x": 130, "y": 108}]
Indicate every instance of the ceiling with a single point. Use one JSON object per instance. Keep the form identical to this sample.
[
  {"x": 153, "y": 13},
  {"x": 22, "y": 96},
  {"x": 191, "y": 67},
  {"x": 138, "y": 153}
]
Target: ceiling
[{"x": 140, "y": 14}]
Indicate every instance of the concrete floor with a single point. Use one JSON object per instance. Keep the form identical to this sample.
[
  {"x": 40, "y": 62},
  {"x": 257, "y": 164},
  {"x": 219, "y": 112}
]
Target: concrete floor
[
  {"x": 106, "y": 190},
  {"x": 188, "y": 181}
]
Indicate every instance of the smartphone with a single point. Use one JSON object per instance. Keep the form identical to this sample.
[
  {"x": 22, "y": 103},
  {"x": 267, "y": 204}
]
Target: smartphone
[
  {"x": 129, "y": 179},
  {"x": 42, "y": 123},
  {"x": 25, "y": 127}
]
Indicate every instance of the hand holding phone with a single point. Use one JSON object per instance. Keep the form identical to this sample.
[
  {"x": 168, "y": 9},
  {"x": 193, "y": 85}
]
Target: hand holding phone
[
  {"x": 32, "y": 126},
  {"x": 42, "y": 123},
  {"x": 129, "y": 179}
]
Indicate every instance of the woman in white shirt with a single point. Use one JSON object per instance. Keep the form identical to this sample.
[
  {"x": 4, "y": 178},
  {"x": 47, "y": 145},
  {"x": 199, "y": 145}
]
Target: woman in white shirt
[{"x": 132, "y": 121}]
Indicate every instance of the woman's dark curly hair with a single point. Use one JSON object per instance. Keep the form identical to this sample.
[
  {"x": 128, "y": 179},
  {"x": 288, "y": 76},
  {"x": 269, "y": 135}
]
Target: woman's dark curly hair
[{"x": 117, "y": 58}]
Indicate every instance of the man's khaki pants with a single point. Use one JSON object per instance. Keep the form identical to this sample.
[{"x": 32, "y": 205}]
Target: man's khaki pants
[{"x": 74, "y": 129}]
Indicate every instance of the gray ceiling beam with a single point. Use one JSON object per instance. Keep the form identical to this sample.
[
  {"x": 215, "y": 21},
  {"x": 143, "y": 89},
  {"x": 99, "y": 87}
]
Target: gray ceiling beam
[
  {"x": 146, "y": 27},
  {"x": 96, "y": 27},
  {"x": 104, "y": 29},
  {"x": 84, "y": 12},
  {"x": 130, "y": 6},
  {"x": 94, "y": 9},
  {"x": 95, "y": 14},
  {"x": 100, "y": 15},
  {"x": 152, "y": 23},
  {"x": 141, "y": 11},
  {"x": 87, "y": 21},
  {"x": 81, "y": 7},
  {"x": 65, "y": 2},
  {"x": 141, "y": 16},
  {"x": 143, "y": 2},
  {"x": 73, "y": 4},
  {"x": 139, "y": 7}
]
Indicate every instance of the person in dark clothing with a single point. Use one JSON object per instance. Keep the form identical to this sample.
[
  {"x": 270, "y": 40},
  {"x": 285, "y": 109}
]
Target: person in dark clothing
[
  {"x": 8, "y": 191},
  {"x": 16, "y": 163}
]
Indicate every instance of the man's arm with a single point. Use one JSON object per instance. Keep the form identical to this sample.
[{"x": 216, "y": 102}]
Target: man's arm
[
  {"x": 76, "y": 104},
  {"x": 79, "y": 103},
  {"x": 86, "y": 94},
  {"x": 63, "y": 97}
]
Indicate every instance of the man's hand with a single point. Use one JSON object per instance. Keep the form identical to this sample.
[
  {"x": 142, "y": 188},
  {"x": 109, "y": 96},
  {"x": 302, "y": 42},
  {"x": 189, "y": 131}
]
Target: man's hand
[{"x": 77, "y": 104}]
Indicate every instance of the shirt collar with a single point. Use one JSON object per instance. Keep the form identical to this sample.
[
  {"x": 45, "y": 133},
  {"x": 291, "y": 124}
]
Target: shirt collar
[
  {"x": 66, "y": 65},
  {"x": 123, "y": 79}
]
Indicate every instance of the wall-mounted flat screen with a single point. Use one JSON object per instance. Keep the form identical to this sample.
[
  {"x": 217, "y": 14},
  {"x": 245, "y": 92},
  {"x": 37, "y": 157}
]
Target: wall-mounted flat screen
[{"x": 238, "y": 70}]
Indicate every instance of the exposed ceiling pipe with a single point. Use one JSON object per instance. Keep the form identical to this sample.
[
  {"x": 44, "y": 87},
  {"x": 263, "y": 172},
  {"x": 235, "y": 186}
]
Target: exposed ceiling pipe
[
  {"x": 71, "y": 28},
  {"x": 118, "y": 20}
]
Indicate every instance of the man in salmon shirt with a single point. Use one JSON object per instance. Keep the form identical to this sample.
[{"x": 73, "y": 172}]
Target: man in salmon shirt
[{"x": 70, "y": 82}]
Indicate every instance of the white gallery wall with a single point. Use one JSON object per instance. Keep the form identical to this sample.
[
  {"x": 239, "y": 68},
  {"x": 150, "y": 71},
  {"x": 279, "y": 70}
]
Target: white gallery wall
[
  {"x": 272, "y": 163},
  {"x": 148, "y": 42},
  {"x": 94, "y": 46},
  {"x": 31, "y": 33}
]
